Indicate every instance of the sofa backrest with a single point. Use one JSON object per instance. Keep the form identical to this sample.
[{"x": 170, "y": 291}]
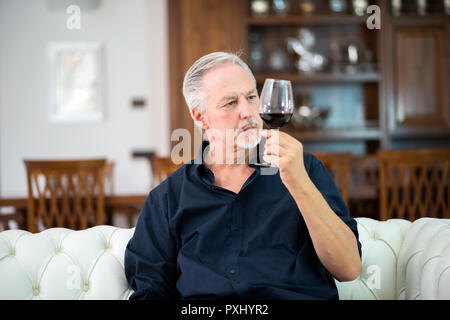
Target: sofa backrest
[
  {"x": 423, "y": 269},
  {"x": 400, "y": 260},
  {"x": 60, "y": 263}
]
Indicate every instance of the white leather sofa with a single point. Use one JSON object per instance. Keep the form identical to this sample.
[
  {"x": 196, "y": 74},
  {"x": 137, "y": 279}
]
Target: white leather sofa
[{"x": 401, "y": 260}]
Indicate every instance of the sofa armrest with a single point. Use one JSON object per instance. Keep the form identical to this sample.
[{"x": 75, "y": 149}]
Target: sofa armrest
[{"x": 381, "y": 242}]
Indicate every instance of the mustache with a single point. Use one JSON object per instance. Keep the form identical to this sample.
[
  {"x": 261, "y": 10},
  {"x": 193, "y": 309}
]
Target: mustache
[{"x": 251, "y": 122}]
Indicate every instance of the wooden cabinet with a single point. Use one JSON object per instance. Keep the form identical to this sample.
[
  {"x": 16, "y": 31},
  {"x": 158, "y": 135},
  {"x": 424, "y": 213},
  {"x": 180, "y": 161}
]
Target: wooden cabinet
[
  {"x": 399, "y": 98},
  {"x": 348, "y": 91},
  {"x": 402, "y": 100},
  {"x": 426, "y": 106},
  {"x": 196, "y": 28},
  {"x": 417, "y": 80}
]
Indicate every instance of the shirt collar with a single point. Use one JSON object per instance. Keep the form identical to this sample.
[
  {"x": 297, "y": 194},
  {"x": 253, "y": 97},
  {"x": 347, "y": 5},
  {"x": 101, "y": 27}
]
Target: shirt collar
[{"x": 204, "y": 170}]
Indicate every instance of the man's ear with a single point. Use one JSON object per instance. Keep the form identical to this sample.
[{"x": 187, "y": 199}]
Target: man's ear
[{"x": 200, "y": 118}]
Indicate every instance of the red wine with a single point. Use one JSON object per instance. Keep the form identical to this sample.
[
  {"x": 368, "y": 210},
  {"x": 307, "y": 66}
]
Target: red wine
[{"x": 275, "y": 120}]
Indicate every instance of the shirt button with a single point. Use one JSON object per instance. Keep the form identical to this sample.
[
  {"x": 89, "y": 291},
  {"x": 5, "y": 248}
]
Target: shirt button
[{"x": 232, "y": 271}]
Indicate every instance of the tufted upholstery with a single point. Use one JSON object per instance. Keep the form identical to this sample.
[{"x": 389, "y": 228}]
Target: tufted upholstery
[
  {"x": 59, "y": 263},
  {"x": 424, "y": 262},
  {"x": 381, "y": 243},
  {"x": 401, "y": 260}
]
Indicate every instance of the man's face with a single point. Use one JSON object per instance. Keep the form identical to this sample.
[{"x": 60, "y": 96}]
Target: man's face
[{"x": 232, "y": 103}]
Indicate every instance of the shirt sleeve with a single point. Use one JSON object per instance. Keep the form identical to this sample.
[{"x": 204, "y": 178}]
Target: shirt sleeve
[
  {"x": 150, "y": 255},
  {"x": 325, "y": 183}
]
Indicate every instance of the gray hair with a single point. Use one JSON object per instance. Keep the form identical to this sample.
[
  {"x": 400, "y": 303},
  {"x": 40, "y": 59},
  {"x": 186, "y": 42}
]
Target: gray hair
[{"x": 192, "y": 84}]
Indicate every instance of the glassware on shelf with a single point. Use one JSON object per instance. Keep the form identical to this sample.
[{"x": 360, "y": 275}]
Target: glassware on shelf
[
  {"x": 260, "y": 8},
  {"x": 335, "y": 57},
  {"x": 367, "y": 63},
  {"x": 352, "y": 59},
  {"x": 279, "y": 60},
  {"x": 360, "y": 6},
  {"x": 281, "y": 7},
  {"x": 257, "y": 55},
  {"x": 422, "y": 7},
  {"x": 302, "y": 45},
  {"x": 307, "y": 7},
  {"x": 396, "y": 7},
  {"x": 306, "y": 116},
  {"x": 338, "y": 6}
]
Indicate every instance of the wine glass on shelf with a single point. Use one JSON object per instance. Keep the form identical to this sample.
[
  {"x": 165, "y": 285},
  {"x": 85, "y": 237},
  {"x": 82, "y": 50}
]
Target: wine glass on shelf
[{"x": 276, "y": 104}]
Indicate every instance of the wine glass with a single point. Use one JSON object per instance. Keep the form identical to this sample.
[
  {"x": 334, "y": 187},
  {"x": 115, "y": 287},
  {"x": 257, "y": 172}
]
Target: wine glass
[{"x": 276, "y": 104}]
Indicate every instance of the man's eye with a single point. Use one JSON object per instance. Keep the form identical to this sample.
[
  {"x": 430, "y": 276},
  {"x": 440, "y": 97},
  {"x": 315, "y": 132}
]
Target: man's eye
[
  {"x": 230, "y": 104},
  {"x": 252, "y": 97}
]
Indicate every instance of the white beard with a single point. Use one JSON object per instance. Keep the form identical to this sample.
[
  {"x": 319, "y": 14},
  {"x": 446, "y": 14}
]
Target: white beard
[{"x": 253, "y": 139}]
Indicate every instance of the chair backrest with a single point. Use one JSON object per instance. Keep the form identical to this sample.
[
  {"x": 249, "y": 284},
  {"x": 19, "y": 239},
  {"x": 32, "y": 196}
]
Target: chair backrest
[
  {"x": 364, "y": 186},
  {"x": 109, "y": 178},
  {"x": 338, "y": 164},
  {"x": 162, "y": 167},
  {"x": 414, "y": 183},
  {"x": 67, "y": 193}
]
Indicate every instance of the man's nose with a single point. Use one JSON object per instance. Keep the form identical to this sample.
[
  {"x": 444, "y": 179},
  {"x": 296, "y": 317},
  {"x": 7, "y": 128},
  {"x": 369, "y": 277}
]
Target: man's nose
[{"x": 245, "y": 110}]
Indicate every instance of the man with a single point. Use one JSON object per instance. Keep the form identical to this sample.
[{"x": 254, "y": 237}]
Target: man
[{"x": 221, "y": 230}]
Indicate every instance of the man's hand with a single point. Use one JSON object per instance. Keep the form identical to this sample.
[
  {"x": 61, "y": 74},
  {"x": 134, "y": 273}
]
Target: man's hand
[
  {"x": 285, "y": 152},
  {"x": 333, "y": 240}
]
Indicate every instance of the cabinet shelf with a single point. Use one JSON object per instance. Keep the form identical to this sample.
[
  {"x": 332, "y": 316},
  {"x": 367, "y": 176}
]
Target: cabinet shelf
[
  {"x": 423, "y": 133},
  {"x": 407, "y": 20},
  {"x": 334, "y": 134},
  {"x": 298, "y": 20},
  {"x": 372, "y": 77}
]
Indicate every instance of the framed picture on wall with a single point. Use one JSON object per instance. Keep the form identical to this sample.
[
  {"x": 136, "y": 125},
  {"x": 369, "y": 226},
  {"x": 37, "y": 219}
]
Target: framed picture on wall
[{"x": 76, "y": 71}]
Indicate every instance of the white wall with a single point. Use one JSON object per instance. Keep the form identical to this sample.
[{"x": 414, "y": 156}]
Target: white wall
[{"x": 134, "y": 35}]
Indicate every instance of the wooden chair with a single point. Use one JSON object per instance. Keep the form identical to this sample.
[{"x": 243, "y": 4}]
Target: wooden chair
[
  {"x": 162, "y": 167},
  {"x": 108, "y": 190},
  {"x": 128, "y": 205},
  {"x": 7, "y": 219},
  {"x": 338, "y": 164},
  {"x": 363, "y": 194},
  {"x": 66, "y": 194},
  {"x": 109, "y": 178},
  {"x": 12, "y": 212},
  {"x": 414, "y": 184}
]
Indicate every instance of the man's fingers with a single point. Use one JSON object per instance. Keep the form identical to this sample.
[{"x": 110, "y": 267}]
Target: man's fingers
[
  {"x": 275, "y": 141},
  {"x": 275, "y": 149},
  {"x": 265, "y": 133},
  {"x": 272, "y": 159},
  {"x": 283, "y": 140}
]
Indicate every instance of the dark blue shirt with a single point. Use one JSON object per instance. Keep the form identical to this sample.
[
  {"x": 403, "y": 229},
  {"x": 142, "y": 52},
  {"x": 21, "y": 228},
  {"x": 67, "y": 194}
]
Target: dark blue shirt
[{"x": 194, "y": 240}]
